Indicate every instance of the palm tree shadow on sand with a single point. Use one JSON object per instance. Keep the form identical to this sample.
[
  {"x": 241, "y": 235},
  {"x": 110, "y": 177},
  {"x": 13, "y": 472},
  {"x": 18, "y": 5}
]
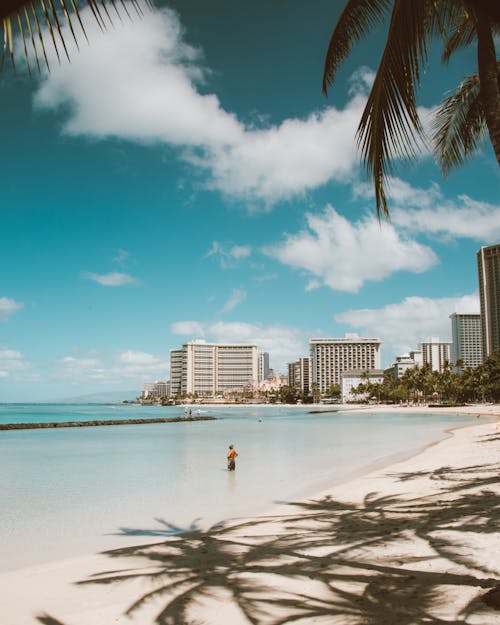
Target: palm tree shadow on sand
[{"x": 329, "y": 561}]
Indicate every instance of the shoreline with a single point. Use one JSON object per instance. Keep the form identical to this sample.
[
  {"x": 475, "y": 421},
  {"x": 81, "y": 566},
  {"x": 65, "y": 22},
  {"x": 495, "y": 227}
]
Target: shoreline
[{"x": 367, "y": 501}]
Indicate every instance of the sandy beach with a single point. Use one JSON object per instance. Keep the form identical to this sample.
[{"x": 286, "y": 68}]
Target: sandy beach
[{"x": 416, "y": 542}]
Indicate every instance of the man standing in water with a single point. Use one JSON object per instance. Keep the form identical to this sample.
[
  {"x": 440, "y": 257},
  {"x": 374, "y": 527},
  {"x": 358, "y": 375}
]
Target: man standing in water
[{"x": 231, "y": 458}]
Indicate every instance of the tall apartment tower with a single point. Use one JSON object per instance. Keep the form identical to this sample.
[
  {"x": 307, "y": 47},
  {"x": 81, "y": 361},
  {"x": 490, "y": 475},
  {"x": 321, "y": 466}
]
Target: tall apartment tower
[
  {"x": 208, "y": 369},
  {"x": 436, "y": 353},
  {"x": 263, "y": 366},
  {"x": 331, "y": 357},
  {"x": 299, "y": 375},
  {"x": 466, "y": 345},
  {"x": 488, "y": 265}
]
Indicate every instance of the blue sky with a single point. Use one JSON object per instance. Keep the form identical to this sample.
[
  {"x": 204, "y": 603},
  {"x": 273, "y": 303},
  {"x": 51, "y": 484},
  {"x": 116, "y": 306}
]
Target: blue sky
[{"x": 184, "y": 177}]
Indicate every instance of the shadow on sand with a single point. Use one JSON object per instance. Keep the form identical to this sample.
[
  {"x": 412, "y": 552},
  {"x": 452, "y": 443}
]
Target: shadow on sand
[{"x": 330, "y": 561}]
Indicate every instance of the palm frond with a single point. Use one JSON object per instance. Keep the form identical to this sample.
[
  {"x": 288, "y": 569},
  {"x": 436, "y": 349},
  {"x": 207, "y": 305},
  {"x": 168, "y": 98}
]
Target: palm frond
[
  {"x": 459, "y": 124},
  {"x": 355, "y": 21},
  {"x": 390, "y": 125},
  {"x": 40, "y": 22},
  {"x": 463, "y": 35}
]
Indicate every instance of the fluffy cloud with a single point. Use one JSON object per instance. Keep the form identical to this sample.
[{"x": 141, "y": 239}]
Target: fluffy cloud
[
  {"x": 237, "y": 296},
  {"x": 188, "y": 328},
  {"x": 284, "y": 343},
  {"x": 428, "y": 211},
  {"x": 402, "y": 326},
  {"x": 344, "y": 255},
  {"x": 128, "y": 365},
  {"x": 14, "y": 366},
  {"x": 152, "y": 81},
  {"x": 461, "y": 218},
  {"x": 114, "y": 278},
  {"x": 8, "y": 307}
]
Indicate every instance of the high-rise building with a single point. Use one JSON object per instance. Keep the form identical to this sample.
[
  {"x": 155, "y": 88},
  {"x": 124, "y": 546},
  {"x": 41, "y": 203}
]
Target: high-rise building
[
  {"x": 209, "y": 369},
  {"x": 488, "y": 264},
  {"x": 299, "y": 375},
  {"x": 263, "y": 366},
  {"x": 330, "y": 357},
  {"x": 436, "y": 353},
  {"x": 466, "y": 345}
]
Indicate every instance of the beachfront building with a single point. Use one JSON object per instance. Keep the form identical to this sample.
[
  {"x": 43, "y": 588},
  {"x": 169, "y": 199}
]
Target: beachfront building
[
  {"x": 154, "y": 390},
  {"x": 436, "y": 353},
  {"x": 466, "y": 340},
  {"x": 417, "y": 358},
  {"x": 403, "y": 363},
  {"x": 488, "y": 264},
  {"x": 263, "y": 366},
  {"x": 299, "y": 375},
  {"x": 351, "y": 379},
  {"x": 330, "y": 357},
  {"x": 212, "y": 369}
]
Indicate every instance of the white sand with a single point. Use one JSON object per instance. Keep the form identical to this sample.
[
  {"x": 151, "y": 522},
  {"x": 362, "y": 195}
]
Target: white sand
[{"x": 409, "y": 544}]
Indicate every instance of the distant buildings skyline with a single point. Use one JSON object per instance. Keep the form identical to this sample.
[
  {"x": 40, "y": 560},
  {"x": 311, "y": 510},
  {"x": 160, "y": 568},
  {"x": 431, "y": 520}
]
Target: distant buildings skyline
[{"x": 209, "y": 369}]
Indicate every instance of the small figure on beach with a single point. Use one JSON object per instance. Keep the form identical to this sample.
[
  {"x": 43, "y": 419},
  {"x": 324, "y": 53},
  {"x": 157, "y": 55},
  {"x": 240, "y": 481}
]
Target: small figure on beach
[{"x": 231, "y": 458}]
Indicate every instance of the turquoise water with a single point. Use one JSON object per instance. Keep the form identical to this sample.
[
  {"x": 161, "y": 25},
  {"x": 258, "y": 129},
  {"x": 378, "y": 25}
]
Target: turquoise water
[{"x": 66, "y": 492}]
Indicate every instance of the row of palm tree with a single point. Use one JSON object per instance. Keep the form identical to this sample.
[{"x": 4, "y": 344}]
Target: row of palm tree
[{"x": 423, "y": 385}]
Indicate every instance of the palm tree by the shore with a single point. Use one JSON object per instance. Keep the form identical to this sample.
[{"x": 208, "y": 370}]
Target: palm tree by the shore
[{"x": 390, "y": 125}]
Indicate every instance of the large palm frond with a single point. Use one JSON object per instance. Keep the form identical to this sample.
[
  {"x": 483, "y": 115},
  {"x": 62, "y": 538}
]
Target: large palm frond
[
  {"x": 355, "y": 21},
  {"x": 459, "y": 124},
  {"x": 390, "y": 125},
  {"x": 35, "y": 21}
]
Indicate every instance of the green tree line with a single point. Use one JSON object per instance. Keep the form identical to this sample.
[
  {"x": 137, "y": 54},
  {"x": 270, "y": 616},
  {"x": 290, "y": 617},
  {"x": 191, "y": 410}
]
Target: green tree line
[{"x": 422, "y": 384}]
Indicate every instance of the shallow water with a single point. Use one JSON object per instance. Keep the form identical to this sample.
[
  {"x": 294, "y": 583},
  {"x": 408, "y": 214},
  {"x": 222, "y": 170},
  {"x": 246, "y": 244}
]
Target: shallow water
[{"x": 66, "y": 492}]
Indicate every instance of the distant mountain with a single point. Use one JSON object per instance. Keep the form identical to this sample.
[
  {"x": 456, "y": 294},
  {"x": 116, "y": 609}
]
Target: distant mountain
[{"x": 108, "y": 397}]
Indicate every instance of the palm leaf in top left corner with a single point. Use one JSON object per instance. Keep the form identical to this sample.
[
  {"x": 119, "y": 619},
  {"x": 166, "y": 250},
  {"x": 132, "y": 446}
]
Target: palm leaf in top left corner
[{"x": 40, "y": 23}]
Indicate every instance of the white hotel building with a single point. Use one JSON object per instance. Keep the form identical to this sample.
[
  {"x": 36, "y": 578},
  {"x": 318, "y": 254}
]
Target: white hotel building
[
  {"x": 212, "y": 369},
  {"x": 332, "y": 357},
  {"x": 436, "y": 353},
  {"x": 467, "y": 345}
]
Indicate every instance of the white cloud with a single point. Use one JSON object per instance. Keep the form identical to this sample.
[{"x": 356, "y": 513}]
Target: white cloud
[
  {"x": 109, "y": 279},
  {"x": 188, "y": 328},
  {"x": 14, "y": 366},
  {"x": 8, "y": 307},
  {"x": 283, "y": 161},
  {"x": 237, "y": 296},
  {"x": 344, "y": 255},
  {"x": 427, "y": 211},
  {"x": 284, "y": 343},
  {"x": 128, "y": 365},
  {"x": 140, "y": 81},
  {"x": 402, "y": 326},
  {"x": 228, "y": 258},
  {"x": 461, "y": 218},
  {"x": 240, "y": 251}
]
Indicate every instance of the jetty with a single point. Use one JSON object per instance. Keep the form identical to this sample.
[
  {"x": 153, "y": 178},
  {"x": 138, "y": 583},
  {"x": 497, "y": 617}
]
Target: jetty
[{"x": 81, "y": 424}]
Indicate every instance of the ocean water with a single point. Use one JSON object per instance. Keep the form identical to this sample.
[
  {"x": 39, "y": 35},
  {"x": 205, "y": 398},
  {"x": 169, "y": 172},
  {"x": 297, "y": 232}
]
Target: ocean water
[{"x": 72, "y": 491}]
